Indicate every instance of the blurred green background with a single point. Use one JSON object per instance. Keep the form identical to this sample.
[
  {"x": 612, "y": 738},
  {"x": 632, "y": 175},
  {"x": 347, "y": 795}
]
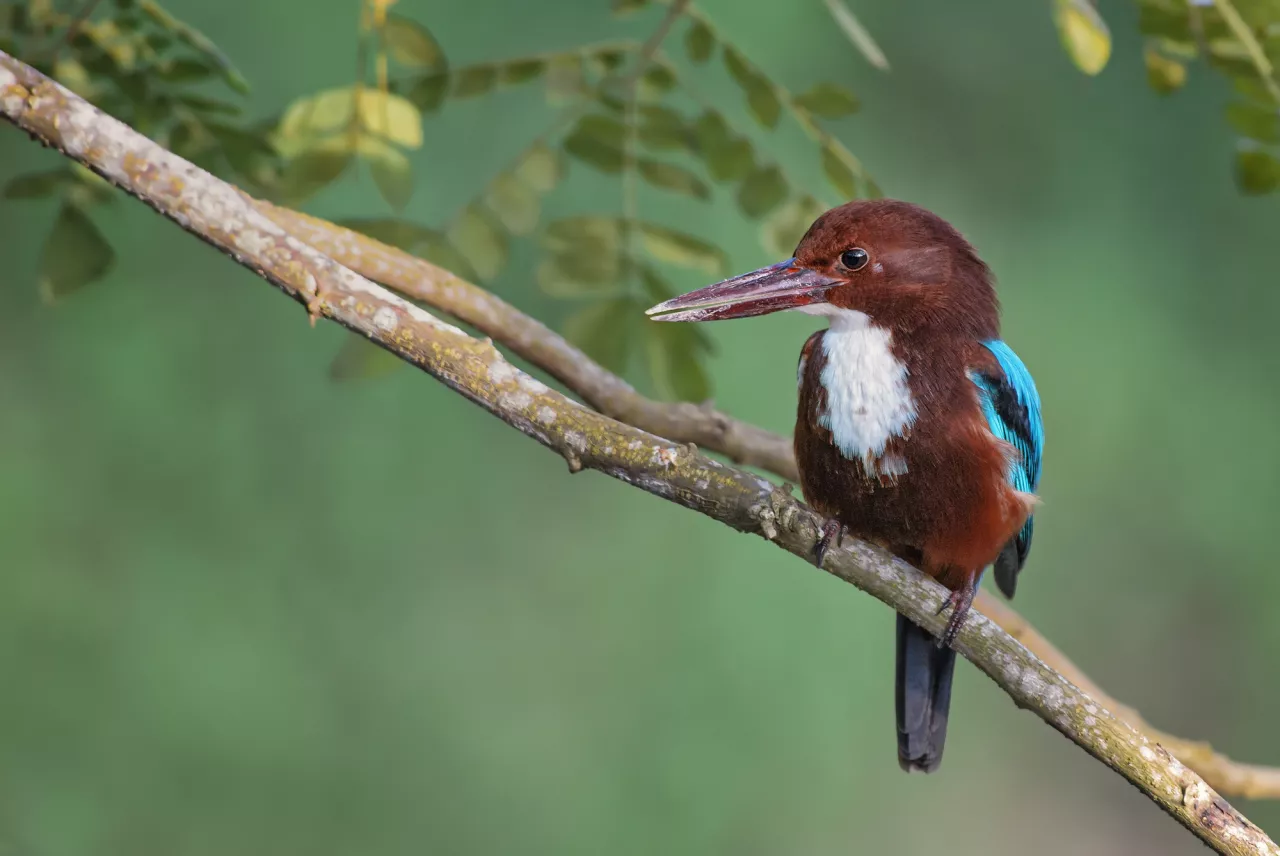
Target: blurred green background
[{"x": 246, "y": 610}]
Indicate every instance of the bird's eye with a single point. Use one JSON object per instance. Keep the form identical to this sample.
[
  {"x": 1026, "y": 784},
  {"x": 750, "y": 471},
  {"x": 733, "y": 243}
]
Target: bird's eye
[{"x": 854, "y": 259}]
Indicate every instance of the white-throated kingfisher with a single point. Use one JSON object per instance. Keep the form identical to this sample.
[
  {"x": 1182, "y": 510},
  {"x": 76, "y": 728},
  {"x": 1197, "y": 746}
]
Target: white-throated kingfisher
[{"x": 918, "y": 429}]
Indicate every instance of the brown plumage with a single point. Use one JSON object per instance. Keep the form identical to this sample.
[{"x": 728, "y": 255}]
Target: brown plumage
[{"x": 900, "y": 404}]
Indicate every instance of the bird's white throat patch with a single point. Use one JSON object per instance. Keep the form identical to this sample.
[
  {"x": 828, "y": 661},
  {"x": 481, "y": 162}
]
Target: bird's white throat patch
[{"x": 868, "y": 398}]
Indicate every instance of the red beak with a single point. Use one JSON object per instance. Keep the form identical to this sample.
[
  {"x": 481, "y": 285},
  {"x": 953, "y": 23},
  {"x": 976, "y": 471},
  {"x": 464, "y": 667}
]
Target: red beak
[{"x": 785, "y": 285}]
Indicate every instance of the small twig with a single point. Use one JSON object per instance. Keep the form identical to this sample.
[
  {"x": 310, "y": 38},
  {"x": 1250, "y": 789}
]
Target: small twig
[{"x": 650, "y": 47}]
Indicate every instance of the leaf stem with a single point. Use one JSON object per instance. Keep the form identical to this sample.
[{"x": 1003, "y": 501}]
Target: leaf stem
[{"x": 1244, "y": 33}]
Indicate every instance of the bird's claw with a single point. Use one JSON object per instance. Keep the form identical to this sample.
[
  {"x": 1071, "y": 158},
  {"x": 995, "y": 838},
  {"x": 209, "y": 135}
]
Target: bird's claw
[
  {"x": 959, "y": 600},
  {"x": 833, "y": 532}
]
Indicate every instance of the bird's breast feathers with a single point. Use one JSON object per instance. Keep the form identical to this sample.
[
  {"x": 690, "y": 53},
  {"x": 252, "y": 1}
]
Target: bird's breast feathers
[
  {"x": 870, "y": 401},
  {"x": 864, "y": 401}
]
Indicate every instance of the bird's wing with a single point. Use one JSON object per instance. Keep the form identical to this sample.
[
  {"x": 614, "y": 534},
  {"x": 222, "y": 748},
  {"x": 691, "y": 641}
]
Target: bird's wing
[{"x": 1012, "y": 407}]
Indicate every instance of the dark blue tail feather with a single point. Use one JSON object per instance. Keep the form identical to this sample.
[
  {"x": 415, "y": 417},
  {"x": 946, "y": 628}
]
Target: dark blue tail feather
[{"x": 923, "y": 695}]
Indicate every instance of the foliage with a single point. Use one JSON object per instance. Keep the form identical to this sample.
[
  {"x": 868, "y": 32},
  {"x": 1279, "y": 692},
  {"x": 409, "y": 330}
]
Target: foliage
[
  {"x": 627, "y": 111},
  {"x": 1237, "y": 38},
  {"x": 163, "y": 77}
]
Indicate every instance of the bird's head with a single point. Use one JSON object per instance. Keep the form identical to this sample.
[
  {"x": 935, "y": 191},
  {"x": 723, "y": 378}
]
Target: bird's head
[{"x": 903, "y": 267}]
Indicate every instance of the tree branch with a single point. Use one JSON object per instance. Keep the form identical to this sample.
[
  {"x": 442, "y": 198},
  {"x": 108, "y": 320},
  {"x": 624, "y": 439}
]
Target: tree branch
[
  {"x": 225, "y": 218},
  {"x": 704, "y": 427}
]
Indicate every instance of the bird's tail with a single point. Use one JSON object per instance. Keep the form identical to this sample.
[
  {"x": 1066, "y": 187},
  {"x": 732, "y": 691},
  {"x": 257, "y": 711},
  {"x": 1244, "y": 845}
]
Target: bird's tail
[{"x": 923, "y": 697}]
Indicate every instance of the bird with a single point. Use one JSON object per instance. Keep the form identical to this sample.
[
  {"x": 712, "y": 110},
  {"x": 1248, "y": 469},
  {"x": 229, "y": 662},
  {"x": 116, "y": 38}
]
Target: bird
[{"x": 918, "y": 428}]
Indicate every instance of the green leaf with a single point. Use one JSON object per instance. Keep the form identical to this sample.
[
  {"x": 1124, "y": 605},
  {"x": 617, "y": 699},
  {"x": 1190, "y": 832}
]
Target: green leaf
[
  {"x": 736, "y": 64},
  {"x": 75, "y": 254},
  {"x": 514, "y": 203},
  {"x": 187, "y": 140},
  {"x": 1083, "y": 33},
  {"x": 392, "y": 117},
  {"x": 473, "y": 81},
  {"x": 711, "y": 131},
  {"x": 761, "y": 98},
  {"x": 198, "y": 41},
  {"x": 312, "y": 171},
  {"x": 1164, "y": 75},
  {"x": 829, "y": 100},
  {"x": 1255, "y": 122},
  {"x": 1257, "y": 172},
  {"x": 699, "y": 42},
  {"x": 656, "y": 82},
  {"x": 627, "y": 7},
  {"x": 1252, "y": 89},
  {"x": 480, "y": 242},
  {"x": 247, "y": 152},
  {"x": 597, "y": 140},
  {"x": 584, "y": 256},
  {"x": 764, "y": 105},
  {"x": 411, "y": 44},
  {"x": 428, "y": 93},
  {"x": 440, "y": 252},
  {"x": 522, "y": 70},
  {"x": 857, "y": 34},
  {"x": 609, "y": 59},
  {"x": 201, "y": 104},
  {"x": 839, "y": 173},
  {"x": 37, "y": 185},
  {"x": 728, "y": 158},
  {"x": 604, "y": 330},
  {"x": 541, "y": 168},
  {"x": 675, "y": 354},
  {"x": 656, "y": 289},
  {"x": 564, "y": 78},
  {"x": 318, "y": 114},
  {"x": 585, "y": 233},
  {"x": 782, "y": 232},
  {"x": 607, "y": 129},
  {"x": 663, "y": 129},
  {"x": 762, "y": 191},
  {"x": 391, "y": 171},
  {"x": 183, "y": 70},
  {"x": 409, "y": 237},
  {"x": 361, "y": 359},
  {"x": 1171, "y": 23},
  {"x": 573, "y": 276},
  {"x": 668, "y": 176},
  {"x": 684, "y": 250}
]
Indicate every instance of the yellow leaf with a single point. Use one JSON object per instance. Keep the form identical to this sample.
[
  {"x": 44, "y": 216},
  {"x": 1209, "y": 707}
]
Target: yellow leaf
[
  {"x": 318, "y": 114},
  {"x": 378, "y": 8},
  {"x": 1084, "y": 34},
  {"x": 1163, "y": 74},
  {"x": 391, "y": 116}
]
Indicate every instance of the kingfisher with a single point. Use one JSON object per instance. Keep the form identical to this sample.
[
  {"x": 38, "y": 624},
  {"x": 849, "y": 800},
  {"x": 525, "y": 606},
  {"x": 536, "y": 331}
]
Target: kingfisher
[{"x": 917, "y": 428}]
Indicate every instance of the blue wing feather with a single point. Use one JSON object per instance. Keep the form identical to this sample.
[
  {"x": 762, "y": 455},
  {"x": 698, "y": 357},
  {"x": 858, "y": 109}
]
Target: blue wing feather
[{"x": 1011, "y": 405}]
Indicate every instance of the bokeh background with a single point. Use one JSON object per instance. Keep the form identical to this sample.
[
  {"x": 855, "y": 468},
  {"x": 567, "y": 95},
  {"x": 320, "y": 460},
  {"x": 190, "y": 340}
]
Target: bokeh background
[{"x": 246, "y": 610}]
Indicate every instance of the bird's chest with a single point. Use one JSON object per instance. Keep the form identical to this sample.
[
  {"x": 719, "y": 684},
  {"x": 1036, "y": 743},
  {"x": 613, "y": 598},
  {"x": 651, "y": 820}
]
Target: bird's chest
[
  {"x": 856, "y": 398},
  {"x": 877, "y": 438}
]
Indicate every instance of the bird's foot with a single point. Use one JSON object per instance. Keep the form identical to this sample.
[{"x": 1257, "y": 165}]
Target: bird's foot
[
  {"x": 833, "y": 532},
  {"x": 959, "y": 600}
]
